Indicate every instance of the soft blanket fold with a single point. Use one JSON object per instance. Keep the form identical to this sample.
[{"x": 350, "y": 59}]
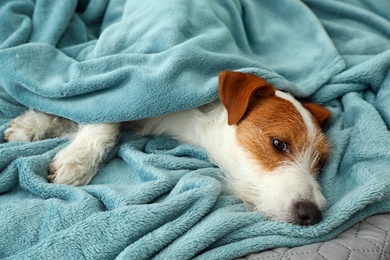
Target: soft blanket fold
[{"x": 105, "y": 61}]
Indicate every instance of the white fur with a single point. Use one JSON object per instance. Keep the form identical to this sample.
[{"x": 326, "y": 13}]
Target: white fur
[
  {"x": 272, "y": 193},
  {"x": 311, "y": 129},
  {"x": 78, "y": 163},
  {"x": 276, "y": 192},
  {"x": 34, "y": 126}
]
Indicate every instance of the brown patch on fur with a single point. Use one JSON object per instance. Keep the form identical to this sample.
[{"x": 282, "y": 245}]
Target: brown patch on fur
[
  {"x": 261, "y": 117},
  {"x": 320, "y": 113},
  {"x": 323, "y": 152},
  {"x": 237, "y": 91},
  {"x": 271, "y": 118}
]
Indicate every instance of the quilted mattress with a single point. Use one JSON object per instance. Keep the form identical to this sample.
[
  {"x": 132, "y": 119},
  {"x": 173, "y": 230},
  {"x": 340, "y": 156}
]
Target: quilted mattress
[{"x": 368, "y": 239}]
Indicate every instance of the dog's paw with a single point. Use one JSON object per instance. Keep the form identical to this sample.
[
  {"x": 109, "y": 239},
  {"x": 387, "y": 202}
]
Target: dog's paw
[
  {"x": 32, "y": 126},
  {"x": 72, "y": 167},
  {"x": 22, "y": 131}
]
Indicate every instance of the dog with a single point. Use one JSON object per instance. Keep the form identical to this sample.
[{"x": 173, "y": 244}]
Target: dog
[{"x": 269, "y": 145}]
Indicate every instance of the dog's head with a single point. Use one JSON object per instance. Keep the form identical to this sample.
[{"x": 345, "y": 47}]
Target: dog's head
[{"x": 279, "y": 148}]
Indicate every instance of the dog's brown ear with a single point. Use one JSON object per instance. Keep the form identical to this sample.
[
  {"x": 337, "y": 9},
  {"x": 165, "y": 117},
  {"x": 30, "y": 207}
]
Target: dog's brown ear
[
  {"x": 320, "y": 113},
  {"x": 237, "y": 91}
]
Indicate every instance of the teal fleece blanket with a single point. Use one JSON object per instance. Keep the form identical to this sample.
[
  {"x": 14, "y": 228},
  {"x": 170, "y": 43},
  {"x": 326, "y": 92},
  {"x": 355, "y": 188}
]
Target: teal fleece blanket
[{"x": 103, "y": 61}]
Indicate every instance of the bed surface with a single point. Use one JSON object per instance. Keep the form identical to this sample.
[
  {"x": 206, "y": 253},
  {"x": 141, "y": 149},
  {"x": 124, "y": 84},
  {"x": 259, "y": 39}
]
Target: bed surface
[{"x": 368, "y": 239}]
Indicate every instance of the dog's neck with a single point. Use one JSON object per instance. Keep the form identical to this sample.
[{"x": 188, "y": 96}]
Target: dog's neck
[{"x": 205, "y": 127}]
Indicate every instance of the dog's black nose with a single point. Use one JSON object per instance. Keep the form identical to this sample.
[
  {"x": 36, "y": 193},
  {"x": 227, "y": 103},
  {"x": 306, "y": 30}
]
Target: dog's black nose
[{"x": 307, "y": 213}]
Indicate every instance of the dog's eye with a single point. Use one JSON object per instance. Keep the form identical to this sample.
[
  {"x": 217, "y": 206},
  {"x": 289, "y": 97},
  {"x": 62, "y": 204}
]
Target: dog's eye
[{"x": 279, "y": 145}]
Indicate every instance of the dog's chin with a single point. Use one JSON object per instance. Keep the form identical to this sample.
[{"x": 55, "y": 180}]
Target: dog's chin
[
  {"x": 292, "y": 214},
  {"x": 282, "y": 216}
]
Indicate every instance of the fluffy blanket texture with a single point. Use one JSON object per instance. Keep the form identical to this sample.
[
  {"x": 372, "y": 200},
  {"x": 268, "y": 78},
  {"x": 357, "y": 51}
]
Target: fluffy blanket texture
[{"x": 103, "y": 61}]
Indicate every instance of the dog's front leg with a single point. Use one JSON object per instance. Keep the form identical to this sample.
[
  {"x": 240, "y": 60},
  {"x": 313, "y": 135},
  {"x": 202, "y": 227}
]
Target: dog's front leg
[{"x": 78, "y": 163}]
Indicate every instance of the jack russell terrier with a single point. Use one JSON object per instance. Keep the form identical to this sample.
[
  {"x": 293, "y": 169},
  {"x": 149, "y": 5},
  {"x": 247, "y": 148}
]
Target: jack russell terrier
[{"x": 268, "y": 144}]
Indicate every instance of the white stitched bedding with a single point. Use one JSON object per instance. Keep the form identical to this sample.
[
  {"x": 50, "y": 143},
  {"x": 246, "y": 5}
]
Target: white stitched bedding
[{"x": 366, "y": 240}]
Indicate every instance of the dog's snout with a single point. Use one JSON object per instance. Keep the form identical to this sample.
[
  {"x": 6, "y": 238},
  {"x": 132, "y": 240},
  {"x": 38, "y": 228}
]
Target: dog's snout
[{"x": 307, "y": 213}]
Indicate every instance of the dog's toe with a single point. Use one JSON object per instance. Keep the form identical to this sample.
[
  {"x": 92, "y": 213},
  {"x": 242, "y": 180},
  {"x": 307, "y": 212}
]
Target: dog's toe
[
  {"x": 52, "y": 173},
  {"x": 18, "y": 132},
  {"x": 70, "y": 170},
  {"x": 66, "y": 174},
  {"x": 8, "y": 134}
]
